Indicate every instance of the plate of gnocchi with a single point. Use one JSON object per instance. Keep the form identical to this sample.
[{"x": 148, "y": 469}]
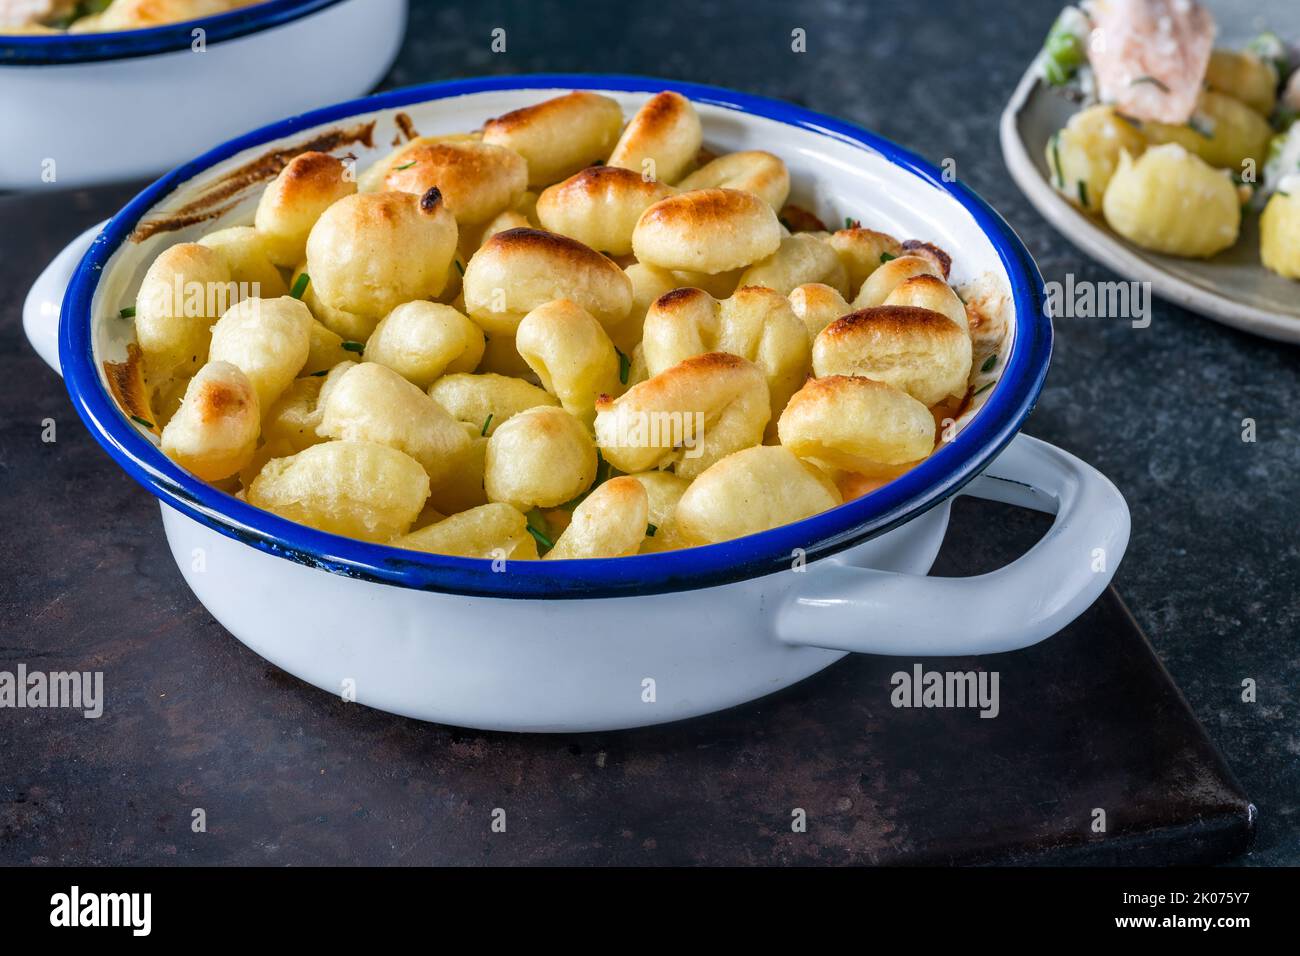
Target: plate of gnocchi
[
  {"x": 1171, "y": 154},
  {"x": 572, "y": 403}
]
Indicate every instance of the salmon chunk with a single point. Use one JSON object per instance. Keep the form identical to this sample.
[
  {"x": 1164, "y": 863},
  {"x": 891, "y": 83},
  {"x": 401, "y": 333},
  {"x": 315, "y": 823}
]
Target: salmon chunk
[{"x": 1150, "y": 56}]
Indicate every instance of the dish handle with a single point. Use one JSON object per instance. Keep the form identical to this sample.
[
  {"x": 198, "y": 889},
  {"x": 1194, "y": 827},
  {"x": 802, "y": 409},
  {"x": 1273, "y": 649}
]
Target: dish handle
[
  {"x": 41, "y": 308},
  {"x": 844, "y": 607}
]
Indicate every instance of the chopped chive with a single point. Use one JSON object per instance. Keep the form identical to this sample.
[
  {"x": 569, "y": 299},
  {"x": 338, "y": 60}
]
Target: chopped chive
[
  {"x": 1083, "y": 194},
  {"x": 1056, "y": 159},
  {"x": 404, "y": 166},
  {"x": 300, "y": 285},
  {"x": 886, "y": 257},
  {"x": 850, "y": 223},
  {"x": 983, "y": 388},
  {"x": 624, "y": 366},
  {"x": 1152, "y": 80},
  {"x": 142, "y": 421},
  {"x": 539, "y": 533},
  {"x": 459, "y": 268},
  {"x": 650, "y": 530},
  {"x": 354, "y": 347},
  {"x": 486, "y": 422},
  {"x": 127, "y": 313},
  {"x": 321, "y": 374},
  {"x": 989, "y": 363}
]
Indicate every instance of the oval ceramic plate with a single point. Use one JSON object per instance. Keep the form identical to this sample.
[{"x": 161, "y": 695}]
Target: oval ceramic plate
[{"x": 1232, "y": 287}]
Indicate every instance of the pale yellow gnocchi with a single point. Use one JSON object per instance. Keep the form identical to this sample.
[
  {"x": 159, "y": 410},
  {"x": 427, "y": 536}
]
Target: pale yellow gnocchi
[
  {"x": 353, "y": 488},
  {"x": 1172, "y": 201}
]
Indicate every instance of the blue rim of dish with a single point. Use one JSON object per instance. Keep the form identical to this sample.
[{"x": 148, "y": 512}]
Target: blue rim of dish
[
  {"x": 45, "y": 49},
  {"x": 1008, "y": 404}
]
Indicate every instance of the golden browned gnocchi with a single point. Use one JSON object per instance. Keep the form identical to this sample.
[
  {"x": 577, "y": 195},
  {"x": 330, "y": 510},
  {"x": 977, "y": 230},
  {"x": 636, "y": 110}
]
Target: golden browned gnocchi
[
  {"x": 707, "y": 230},
  {"x": 559, "y": 136},
  {"x": 517, "y": 270},
  {"x": 370, "y": 252},
  {"x": 752, "y": 171},
  {"x": 554, "y": 339},
  {"x": 477, "y": 180},
  {"x": 930, "y": 292},
  {"x": 919, "y": 352},
  {"x": 661, "y": 141},
  {"x": 214, "y": 432},
  {"x": 599, "y": 207},
  {"x": 893, "y": 273},
  {"x": 308, "y": 185}
]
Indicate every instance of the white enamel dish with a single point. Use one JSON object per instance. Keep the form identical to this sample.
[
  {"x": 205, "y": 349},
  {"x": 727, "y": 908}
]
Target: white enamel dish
[
  {"x": 89, "y": 108},
  {"x": 594, "y": 645}
]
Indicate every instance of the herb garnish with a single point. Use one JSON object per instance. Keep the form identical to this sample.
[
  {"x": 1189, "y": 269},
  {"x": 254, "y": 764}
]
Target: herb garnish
[
  {"x": 989, "y": 363},
  {"x": 486, "y": 422},
  {"x": 886, "y": 257},
  {"x": 127, "y": 313},
  {"x": 405, "y": 165},
  {"x": 539, "y": 533},
  {"x": 650, "y": 530},
  {"x": 142, "y": 421},
  {"x": 1056, "y": 158},
  {"x": 1152, "y": 80},
  {"x": 983, "y": 388},
  {"x": 300, "y": 285},
  {"x": 1083, "y": 194},
  {"x": 459, "y": 268},
  {"x": 354, "y": 347},
  {"x": 624, "y": 366}
]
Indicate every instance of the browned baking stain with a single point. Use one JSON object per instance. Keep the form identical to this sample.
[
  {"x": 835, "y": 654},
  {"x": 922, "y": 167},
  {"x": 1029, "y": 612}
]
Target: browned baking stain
[
  {"x": 406, "y": 128},
  {"x": 226, "y": 192},
  {"x": 941, "y": 258},
  {"x": 126, "y": 382}
]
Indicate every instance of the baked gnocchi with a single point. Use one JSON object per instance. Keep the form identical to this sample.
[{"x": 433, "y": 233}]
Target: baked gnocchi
[{"x": 557, "y": 337}]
